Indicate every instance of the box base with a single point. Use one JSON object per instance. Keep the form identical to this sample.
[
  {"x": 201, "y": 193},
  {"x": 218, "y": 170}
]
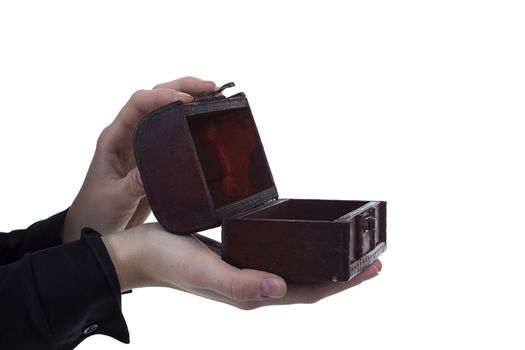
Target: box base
[
  {"x": 366, "y": 260},
  {"x": 355, "y": 267}
]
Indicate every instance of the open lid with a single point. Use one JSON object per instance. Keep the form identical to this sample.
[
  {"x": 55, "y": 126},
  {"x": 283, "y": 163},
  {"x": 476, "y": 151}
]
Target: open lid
[{"x": 202, "y": 161}]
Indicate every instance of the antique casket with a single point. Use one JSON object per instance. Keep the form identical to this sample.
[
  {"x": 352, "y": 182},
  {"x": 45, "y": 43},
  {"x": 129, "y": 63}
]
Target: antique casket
[{"x": 203, "y": 165}]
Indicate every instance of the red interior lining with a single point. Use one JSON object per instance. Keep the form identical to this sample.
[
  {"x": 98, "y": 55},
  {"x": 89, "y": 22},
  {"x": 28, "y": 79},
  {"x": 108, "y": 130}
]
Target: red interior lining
[{"x": 231, "y": 155}]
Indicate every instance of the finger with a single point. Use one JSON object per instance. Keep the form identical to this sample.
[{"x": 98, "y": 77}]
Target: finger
[
  {"x": 234, "y": 283},
  {"x": 245, "y": 285},
  {"x": 241, "y": 286},
  {"x": 130, "y": 188},
  {"x": 368, "y": 273},
  {"x": 296, "y": 293},
  {"x": 378, "y": 265},
  {"x": 144, "y": 101},
  {"x": 141, "y": 213},
  {"x": 308, "y": 293},
  {"x": 190, "y": 85},
  {"x": 313, "y": 292}
]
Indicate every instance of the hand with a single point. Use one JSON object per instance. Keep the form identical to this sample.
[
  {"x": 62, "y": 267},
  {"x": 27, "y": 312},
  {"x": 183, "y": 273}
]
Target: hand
[
  {"x": 112, "y": 197},
  {"x": 147, "y": 255}
]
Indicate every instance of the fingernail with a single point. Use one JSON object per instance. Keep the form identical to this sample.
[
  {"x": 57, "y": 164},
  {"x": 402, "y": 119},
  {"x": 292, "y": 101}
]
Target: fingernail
[
  {"x": 211, "y": 84},
  {"x": 138, "y": 178},
  {"x": 378, "y": 265},
  {"x": 273, "y": 288}
]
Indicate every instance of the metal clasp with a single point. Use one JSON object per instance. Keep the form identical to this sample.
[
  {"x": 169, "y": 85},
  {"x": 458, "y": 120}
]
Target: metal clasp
[{"x": 213, "y": 94}]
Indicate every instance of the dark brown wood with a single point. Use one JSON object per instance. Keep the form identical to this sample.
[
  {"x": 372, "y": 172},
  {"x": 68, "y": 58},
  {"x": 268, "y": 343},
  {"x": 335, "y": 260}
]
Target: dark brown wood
[
  {"x": 306, "y": 240},
  {"x": 171, "y": 172},
  {"x": 203, "y": 165}
]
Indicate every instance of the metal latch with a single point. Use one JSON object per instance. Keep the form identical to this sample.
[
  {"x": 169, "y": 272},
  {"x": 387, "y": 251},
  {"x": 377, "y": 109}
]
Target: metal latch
[{"x": 211, "y": 95}]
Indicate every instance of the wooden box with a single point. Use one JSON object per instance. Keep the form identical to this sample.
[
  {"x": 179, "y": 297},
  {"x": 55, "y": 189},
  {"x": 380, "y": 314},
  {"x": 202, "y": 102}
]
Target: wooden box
[{"x": 203, "y": 165}]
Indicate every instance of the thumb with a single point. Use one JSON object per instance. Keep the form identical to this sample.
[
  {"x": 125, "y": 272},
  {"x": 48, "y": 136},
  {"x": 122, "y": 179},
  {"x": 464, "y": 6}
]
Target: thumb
[
  {"x": 131, "y": 187},
  {"x": 213, "y": 273},
  {"x": 246, "y": 284}
]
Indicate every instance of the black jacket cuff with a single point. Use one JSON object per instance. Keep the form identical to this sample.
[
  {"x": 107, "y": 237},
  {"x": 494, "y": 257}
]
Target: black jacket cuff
[
  {"x": 79, "y": 291},
  {"x": 40, "y": 235}
]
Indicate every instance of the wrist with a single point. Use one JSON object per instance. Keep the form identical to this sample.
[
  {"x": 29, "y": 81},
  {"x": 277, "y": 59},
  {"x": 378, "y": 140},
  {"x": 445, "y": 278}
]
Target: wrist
[
  {"x": 70, "y": 232},
  {"x": 124, "y": 249}
]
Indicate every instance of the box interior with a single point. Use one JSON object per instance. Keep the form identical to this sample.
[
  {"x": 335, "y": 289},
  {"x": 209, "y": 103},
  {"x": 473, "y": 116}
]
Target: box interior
[
  {"x": 231, "y": 155},
  {"x": 307, "y": 209}
]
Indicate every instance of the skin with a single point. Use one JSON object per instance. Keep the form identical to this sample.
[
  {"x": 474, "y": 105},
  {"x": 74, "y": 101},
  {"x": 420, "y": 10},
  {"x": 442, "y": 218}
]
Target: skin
[{"x": 112, "y": 201}]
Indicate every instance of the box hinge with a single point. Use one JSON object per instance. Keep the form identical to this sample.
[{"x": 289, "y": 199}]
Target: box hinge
[{"x": 270, "y": 201}]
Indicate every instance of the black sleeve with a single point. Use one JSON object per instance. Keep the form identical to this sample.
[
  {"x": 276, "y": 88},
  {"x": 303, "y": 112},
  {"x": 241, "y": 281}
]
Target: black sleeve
[
  {"x": 40, "y": 235},
  {"x": 57, "y": 297}
]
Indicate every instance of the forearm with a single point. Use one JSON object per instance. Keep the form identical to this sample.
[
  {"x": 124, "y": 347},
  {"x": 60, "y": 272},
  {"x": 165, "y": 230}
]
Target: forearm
[{"x": 40, "y": 235}]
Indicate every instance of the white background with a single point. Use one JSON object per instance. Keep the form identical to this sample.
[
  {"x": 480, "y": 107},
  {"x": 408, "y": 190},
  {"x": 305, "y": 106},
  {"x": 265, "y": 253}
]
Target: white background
[{"x": 419, "y": 103}]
